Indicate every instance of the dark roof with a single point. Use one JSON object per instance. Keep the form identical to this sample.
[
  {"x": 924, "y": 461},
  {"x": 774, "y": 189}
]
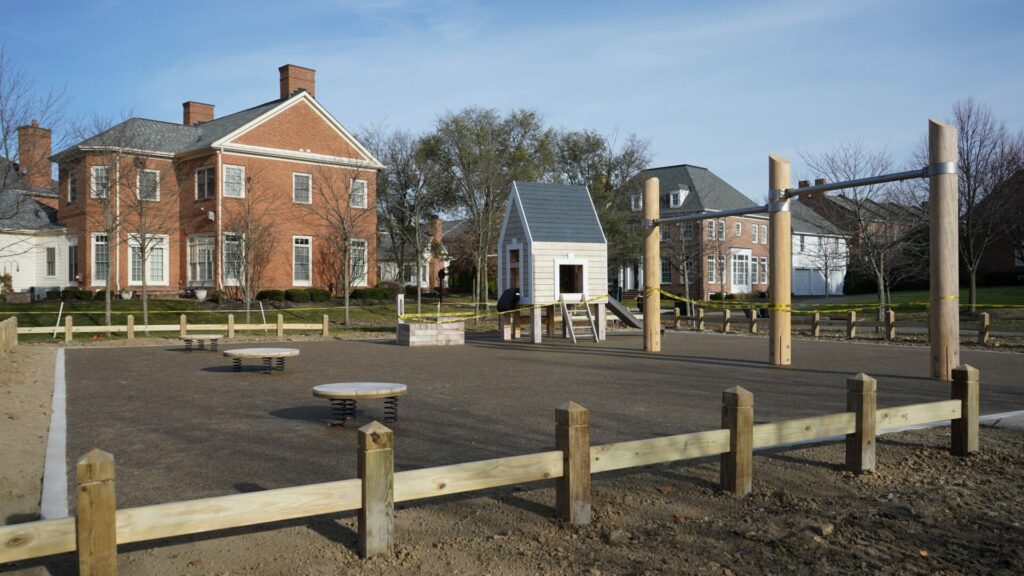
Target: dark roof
[
  {"x": 170, "y": 138},
  {"x": 451, "y": 228},
  {"x": 807, "y": 221},
  {"x": 706, "y": 190},
  {"x": 11, "y": 179},
  {"x": 19, "y": 211},
  {"x": 559, "y": 213}
]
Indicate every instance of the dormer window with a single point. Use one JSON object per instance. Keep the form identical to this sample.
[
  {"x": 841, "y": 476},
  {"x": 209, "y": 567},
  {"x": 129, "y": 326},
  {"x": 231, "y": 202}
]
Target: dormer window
[
  {"x": 636, "y": 202},
  {"x": 675, "y": 199}
]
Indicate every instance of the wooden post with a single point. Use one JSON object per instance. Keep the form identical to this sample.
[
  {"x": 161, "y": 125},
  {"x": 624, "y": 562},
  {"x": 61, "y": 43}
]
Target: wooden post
[
  {"x": 726, "y": 319},
  {"x": 861, "y": 399},
  {"x": 851, "y": 324},
  {"x": 737, "y": 463},
  {"x": 572, "y": 490},
  {"x": 505, "y": 326},
  {"x": 677, "y": 318},
  {"x": 130, "y": 330},
  {"x": 944, "y": 258},
  {"x": 231, "y": 325},
  {"x": 69, "y": 328},
  {"x": 890, "y": 325},
  {"x": 652, "y": 266},
  {"x": 983, "y": 323},
  {"x": 753, "y": 320},
  {"x": 535, "y": 325},
  {"x": 183, "y": 323},
  {"x": 551, "y": 320},
  {"x": 280, "y": 325},
  {"x": 965, "y": 429},
  {"x": 96, "y": 520},
  {"x": 325, "y": 331},
  {"x": 780, "y": 262},
  {"x": 816, "y": 325},
  {"x": 400, "y": 305},
  {"x": 377, "y": 471},
  {"x": 700, "y": 319}
]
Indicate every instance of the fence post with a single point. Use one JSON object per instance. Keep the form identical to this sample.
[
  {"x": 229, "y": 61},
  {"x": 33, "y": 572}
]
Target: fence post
[
  {"x": 400, "y": 306},
  {"x": 572, "y": 490},
  {"x": 551, "y": 321},
  {"x": 753, "y": 320},
  {"x": 231, "y": 325},
  {"x": 377, "y": 471},
  {"x": 280, "y": 325},
  {"x": 726, "y": 314},
  {"x": 965, "y": 429},
  {"x": 326, "y": 327},
  {"x": 183, "y": 322},
  {"x": 677, "y": 320},
  {"x": 861, "y": 399},
  {"x": 890, "y": 325},
  {"x": 130, "y": 329},
  {"x": 69, "y": 328},
  {"x": 96, "y": 522},
  {"x": 851, "y": 325},
  {"x": 983, "y": 329},
  {"x": 816, "y": 325},
  {"x": 737, "y": 463},
  {"x": 700, "y": 319}
]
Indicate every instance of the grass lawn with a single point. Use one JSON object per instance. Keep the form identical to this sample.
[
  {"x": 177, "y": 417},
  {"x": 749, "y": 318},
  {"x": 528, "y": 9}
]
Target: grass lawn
[{"x": 994, "y": 296}]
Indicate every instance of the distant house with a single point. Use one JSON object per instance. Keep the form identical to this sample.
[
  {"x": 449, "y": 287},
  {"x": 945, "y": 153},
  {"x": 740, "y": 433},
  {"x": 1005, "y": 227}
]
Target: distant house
[
  {"x": 438, "y": 232},
  {"x": 1003, "y": 260},
  {"x": 35, "y": 249},
  {"x": 730, "y": 254}
]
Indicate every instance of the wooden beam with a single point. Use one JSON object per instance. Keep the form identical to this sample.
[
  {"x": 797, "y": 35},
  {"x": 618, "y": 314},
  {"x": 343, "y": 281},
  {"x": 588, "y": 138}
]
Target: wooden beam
[
  {"x": 377, "y": 471},
  {"x": 780, "y": 262},
  {"x": 914, "y": 414},
  {"x": 652, "y": 267},
  {"x": 535, "y": 325},
  {"x": 619, "y": 455},
  {"x": 944, "y": 258},
  {"x": 861, "y": 400},
  {"x": 469, "y": 476},
  {"x": 738, "y": 419},
  {"x": 802, "y": 429},
  {"x": 572, "y": 489},
  {"x": 966, "y": 391},
  {"x": 551, "y": 321},
  {"x": 95, "y": 523},
  {"x": 700, "y": 319},
  {"x": 37, "y": 539}
]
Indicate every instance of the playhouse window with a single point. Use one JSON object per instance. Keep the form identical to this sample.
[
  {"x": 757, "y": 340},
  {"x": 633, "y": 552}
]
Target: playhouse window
[{"x": 570, "y": 278}]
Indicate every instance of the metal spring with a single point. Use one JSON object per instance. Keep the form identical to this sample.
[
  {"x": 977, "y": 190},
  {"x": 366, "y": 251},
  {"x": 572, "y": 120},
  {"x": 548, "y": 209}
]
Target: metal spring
[
  {"x": 280, "y": 363},
  {"x": 236, "y": 363},
  {"x": 391, "y": 409},
  {"x": 342, "y": 410}
]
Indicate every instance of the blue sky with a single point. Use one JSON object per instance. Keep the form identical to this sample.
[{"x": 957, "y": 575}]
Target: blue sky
[{"x": 717, "y": 84}]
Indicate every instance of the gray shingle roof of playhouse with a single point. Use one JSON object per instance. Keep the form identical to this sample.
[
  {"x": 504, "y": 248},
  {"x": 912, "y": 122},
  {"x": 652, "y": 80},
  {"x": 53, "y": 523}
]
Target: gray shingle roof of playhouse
[
  {"x": 170, "y": 138},
  {"x": 559, "y": 213}
]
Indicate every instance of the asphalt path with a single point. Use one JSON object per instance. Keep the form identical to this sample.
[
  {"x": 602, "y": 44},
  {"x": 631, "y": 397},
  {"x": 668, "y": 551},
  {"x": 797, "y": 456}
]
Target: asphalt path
[{"x": 183, "y": 425}]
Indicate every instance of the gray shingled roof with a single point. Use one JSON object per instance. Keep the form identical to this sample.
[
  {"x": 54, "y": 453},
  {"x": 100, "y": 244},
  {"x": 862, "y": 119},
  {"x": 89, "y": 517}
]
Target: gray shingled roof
[
  {"x": 707, "y": 190},
  {"x": 11, "y": 179},
  {"x": 170, "y": 138},
  {"x": 559, "y": 213},
  {"x": 21, "y": 212},
  {"x": 807, "y": 221}
]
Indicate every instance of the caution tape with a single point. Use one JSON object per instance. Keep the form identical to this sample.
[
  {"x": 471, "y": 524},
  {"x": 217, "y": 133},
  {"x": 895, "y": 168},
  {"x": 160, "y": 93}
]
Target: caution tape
[{"x": 452, "y": 317}]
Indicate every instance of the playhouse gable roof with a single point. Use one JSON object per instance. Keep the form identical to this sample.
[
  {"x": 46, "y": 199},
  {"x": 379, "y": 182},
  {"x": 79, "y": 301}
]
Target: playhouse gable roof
[{"x": 558, "y": 212}]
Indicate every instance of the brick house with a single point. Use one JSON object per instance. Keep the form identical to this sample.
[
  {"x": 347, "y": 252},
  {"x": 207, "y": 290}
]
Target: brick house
[
  {"x": 728, "y": 254},
  {"x": 183, "y": 195}
]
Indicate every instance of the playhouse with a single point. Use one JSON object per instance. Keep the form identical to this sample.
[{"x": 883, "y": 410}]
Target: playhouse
[{"x": 553, "y": 251}]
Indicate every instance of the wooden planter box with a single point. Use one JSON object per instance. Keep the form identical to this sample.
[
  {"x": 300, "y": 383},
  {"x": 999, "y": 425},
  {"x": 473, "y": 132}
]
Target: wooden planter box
[{"x": 431, "y": 334}]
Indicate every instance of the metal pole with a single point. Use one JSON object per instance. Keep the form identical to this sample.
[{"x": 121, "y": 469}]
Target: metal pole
[
  {"x": 944, "y": 315},
  {"x": 706, "y": 215},
  {"x": 880, "y": 179},
  {"x": 780, "y": 265},
  {"x": 652, "y": 267}
]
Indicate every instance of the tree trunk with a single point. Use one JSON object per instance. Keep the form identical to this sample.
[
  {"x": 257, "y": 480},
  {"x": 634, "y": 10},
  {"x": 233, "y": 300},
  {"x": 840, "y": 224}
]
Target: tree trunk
[
  {"x": 973, "y": 296},
  {"x": 419, "y": 284},
  {"x": 145, "y": 295},
  {"x": 881, "y": 287},
  {"x": 346, "y": 281}
]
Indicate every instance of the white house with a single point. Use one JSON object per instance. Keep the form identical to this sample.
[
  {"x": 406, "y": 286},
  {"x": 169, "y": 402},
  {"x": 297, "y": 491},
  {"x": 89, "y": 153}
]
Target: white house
[{"x": 820, "y": 254}]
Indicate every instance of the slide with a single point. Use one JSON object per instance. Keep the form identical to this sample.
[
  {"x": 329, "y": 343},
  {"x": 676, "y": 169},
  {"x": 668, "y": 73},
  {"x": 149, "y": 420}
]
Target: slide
[{"x": 623, "y": 313}]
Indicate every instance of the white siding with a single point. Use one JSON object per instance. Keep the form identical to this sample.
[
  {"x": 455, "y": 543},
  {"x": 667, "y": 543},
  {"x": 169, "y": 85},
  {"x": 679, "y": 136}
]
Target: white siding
[
  {"x": 515, "y": 233},
  {"x": 24, "y": 257},
  {"x": 808, "y": 278},
  {"x": 594, "y": 256}
]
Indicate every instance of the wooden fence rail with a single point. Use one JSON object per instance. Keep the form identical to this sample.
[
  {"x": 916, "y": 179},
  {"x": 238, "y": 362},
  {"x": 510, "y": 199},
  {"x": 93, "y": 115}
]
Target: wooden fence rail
[
  {"x": 130, "y": 328},
  {"x": 98, "y": 528}
]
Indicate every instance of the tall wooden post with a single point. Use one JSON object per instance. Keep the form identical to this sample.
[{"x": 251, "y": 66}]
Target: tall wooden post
[
  {"x": 944, "y": 270},
  {"x": 964, "y": 430},
  {"x": 737, "y": 463},
  {"x": 780, "y": 262},
  {"x": 861, "y": 399},
  {"x": 377, "y": 471},
  {"x": 231, "y": 325},
  {"x": 96, "y": 519},
  {"x": 602, "y": 322},
  {"x": 572, "y": 490},
  {"x": 652, "y": 266}
]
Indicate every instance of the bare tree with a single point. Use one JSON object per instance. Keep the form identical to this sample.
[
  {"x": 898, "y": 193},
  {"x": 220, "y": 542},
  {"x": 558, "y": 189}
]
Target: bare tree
[
  {"x": 828, "y": 254},
  {"x": 249, "y": 241}
]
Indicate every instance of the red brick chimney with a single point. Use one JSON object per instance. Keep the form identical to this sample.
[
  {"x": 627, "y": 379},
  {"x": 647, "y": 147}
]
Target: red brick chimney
[
  {"x": 196, "y": 113},
  {"x": 295, "y": 78},
  {"x": 34, "y": 155}
]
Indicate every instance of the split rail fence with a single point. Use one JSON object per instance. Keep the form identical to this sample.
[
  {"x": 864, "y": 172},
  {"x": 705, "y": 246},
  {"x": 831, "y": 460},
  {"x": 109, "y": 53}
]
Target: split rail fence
[
  {"x": 99, "y": 527},
  {"x": 182, "y": 327}
]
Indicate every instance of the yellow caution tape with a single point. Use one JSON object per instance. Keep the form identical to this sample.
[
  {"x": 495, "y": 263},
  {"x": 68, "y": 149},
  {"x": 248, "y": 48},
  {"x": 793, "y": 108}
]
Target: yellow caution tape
[{"x": 452, "y": 317}]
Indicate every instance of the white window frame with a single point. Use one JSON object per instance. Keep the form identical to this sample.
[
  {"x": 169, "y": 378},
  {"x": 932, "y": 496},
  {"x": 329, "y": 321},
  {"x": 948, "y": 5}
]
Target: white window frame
[
  {"x": 764, "y": 233},
  {"x": 226, "y": 239},
  {"x": 712, "y": 229},
  {"x": 675, "y": 199},
  {"x": 755, "y": 269},
  {"x": 356, "y": 183},
  {"x": 51, "y": 261},
  {"x": 138, "y": 185},
  {"x": 571, "y": 261},
  {"x": 738, "y": 229},
  {"x": 739, "y": 261},
  {"x": 721, "y": 230},
  {"x": 363, "y": 278},
  {"x": 803, "y": 242},
  {"x": 94, "y": 241},
  {"x": 192, "y": 248},
  {"x": 753, "y": 232},
  {"x": 135, "y": 244},
  {"x": 764, "y": 269},
  {"x": 210, "y": 193},
  {"x": 309, "y": 246},
  {"x": 712, "y": 276},
  {"x": 309, "y": 189},
  {"x": 666, "y": 272},
  {"x": 224, "y": 181},
  {"x": 72, "y": 262},
  {"x": 72, "y": 186},
  {"x": 636, "y": 202},
  {"x": 93, "y": 170},
  {"x": 687, "y": 230}
]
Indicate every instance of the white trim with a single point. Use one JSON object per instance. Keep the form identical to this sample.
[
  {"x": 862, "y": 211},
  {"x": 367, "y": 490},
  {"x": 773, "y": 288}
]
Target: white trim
[
  {"x": 371, "y": 161},
  {"x": 366, "y": 262},
  {"x": 366, "y": 194},
  {"x": 224, "y": 187},
  {"x": 570, "y": 260},
  {"x": 224, "y": 280},
  {"x": 309, "y": 246},
  {"x": 522, "y": 215},
  {"x": 596, "y": 217},
  {"x": 46, "y": 262},
  {"x": 93, "y": 280},
  {"x": 514, "y": 244},
  {"x": 303, "y": 157},
  {"x": 309, "y": 188},
  {"x": 72, "y": 178},
  {"x": 138, "y": 185},
  {"x": 163, "y": 241},
  {"x": 188, "y": 259},
  {"x": 92, "y": 181},
  {"x": 195, "y": 176}
]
